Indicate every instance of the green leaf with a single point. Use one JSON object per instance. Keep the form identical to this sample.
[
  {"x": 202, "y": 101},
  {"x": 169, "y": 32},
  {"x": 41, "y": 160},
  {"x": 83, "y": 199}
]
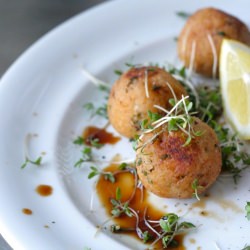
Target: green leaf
[
  {"x": 118, "y": 72},
  {"x": 153, "y": 116},
  {"x": 221, "y": 33},
  {"x": 165, "y": 225},
  {"x": 135, "y": 142},
  {"x": 95, "y": 142},
  {"x": 189, "y": 106},
  {"x": 86, "y": 248},
  {"x": 116, "y": 212},
  {"x": 187, "y": 142},
  {"x": 172, "y": 102},
  {"x": 89, "y": 106},
  {"x": 246, "y": 248},
  {"x": 92, "y": 174},
  {"x": 127, "y": 210},
  {"x": 195, "y": 184},
  {"x": 183, "y": 14},
  {"x": 172, "y": 218},
  {"x": 144, "y": 124},
  {"x": 247, "y": 209},
  {"x": 94, "y": 168},
  {"x": 86, "y": 154},
  {"x": 130, "y": 65},
  {"x": 79, "y": 163},
  {"x": 110, "y": 177},
  {"x": 24, "y": 164},
  {"x": 38, "y": 161},
  {"x": 198, "y": 133},
  {"x": 186, "y": 225},
  {"x": 102, "y": 111},
  {"x": 166, "y": 240},
  {"x": 114, "y": 202},
  {"x": 104, "y": 88},
  {"x": 123, "y": 166},
  {"x": 146, "y": 236},
  {"x": 172, "y": 125},
  {"x": 79, "y": 140},
  {"x": 182, "y": 72},
  {"x": 118, "y": 194}
]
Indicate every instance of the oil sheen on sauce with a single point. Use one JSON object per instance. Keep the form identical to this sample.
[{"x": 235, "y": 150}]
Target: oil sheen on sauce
[
  {"x": 106, "y": 190},
  {"x": 99, "y": 134}
]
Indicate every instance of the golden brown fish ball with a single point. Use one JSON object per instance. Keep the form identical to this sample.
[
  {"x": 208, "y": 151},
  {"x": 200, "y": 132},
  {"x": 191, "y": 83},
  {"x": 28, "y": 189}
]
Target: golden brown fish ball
[
  {"x": 168, "y": 169},
  {"x": 135, "y": 93},
  {"x": 200, "y": 40}
]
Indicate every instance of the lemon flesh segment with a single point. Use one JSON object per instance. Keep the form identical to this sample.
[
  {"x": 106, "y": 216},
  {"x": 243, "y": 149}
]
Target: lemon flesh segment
[
  {"x": 238, "y": 100},
  {"x": 235, "y": 85}
]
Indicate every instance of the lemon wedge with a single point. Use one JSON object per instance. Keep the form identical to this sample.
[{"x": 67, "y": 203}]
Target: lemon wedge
[{"x": 235, "y": 85}]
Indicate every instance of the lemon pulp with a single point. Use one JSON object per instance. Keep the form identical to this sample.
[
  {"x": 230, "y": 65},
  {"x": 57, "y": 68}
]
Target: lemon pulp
[{"x": 235, "y": 85}]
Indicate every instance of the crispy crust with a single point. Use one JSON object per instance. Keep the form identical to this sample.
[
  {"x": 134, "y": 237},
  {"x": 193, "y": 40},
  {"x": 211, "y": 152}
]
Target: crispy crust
[
  {"x": 168, "y": 169},
  {"x": 128, "y": 103},
  {"x": 216, "y": 24}
]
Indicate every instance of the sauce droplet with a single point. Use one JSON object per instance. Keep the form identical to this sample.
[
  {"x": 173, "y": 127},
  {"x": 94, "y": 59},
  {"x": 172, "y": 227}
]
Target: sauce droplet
[
  {"x": 27, "y": 211},
  {"x": 44, "y": 190},
  {"x": 100, "y": 135}
]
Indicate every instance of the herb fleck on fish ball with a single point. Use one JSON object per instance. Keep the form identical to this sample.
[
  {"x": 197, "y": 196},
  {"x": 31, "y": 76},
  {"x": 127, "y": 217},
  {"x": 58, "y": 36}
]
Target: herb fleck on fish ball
[
  {"x": 168, "y": 169},
  {"x": 135, "y": 93},
  {"x": 200, "y": 40}
]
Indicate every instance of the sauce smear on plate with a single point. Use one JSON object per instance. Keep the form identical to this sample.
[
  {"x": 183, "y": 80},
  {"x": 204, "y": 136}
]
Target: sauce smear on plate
[
  {"x": 100, "y": 135},
  {"x": 125, "y": 181}
]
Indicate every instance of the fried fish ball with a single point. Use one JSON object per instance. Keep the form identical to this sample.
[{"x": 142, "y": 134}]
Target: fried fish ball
[
  {"x": 168, "y": 169},
  {"x": 129, "y": 101},
  {"x": 200, "y": 40}
]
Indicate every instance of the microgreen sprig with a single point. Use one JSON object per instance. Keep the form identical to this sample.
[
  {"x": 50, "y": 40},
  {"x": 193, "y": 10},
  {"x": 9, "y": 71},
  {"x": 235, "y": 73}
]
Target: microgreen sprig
[
  {"x": 170, "y": 226},
  {"x": 79, "y": 141},
  {"x": 195, "y": 186},
  {"x": 94, "y": 142},
  {"x": 181, "y": 76},
  {"x": 247, "y": 209},
  {"x": 99, "y": 83},
  {"x": 119, "y": 207},
  {"x": 164, "y": 229},
  {"x": 210, "y": 103},
  {"x": 183, "y": 14},
  {"x": 178, "y": 118},
  {"x": 246, "y": 247},
  {"x": 100, "y": 111},
  {"x": 107, "y": 175},
  {"x": 36, "y": 162},
  {"x": 234, "y": 160},
  {"x": 86, "y": 156}
]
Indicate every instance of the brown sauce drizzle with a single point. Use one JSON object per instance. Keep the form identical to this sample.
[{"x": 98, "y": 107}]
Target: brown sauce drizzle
[
  {"x": 125, "y": 181},
  {"x": 27, "y": 211},
  {"x": 91, "y": 133},
  {"x": 44, "y": 190}
]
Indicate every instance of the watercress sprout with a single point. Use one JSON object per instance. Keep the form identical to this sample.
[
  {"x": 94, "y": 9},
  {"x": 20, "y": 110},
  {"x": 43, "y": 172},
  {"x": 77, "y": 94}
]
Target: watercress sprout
[{"x": 36, "y": 162}]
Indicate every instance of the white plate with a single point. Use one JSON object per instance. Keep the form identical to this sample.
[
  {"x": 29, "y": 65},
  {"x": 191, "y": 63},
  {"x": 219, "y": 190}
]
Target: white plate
[{"x": 42, "y": 94}]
